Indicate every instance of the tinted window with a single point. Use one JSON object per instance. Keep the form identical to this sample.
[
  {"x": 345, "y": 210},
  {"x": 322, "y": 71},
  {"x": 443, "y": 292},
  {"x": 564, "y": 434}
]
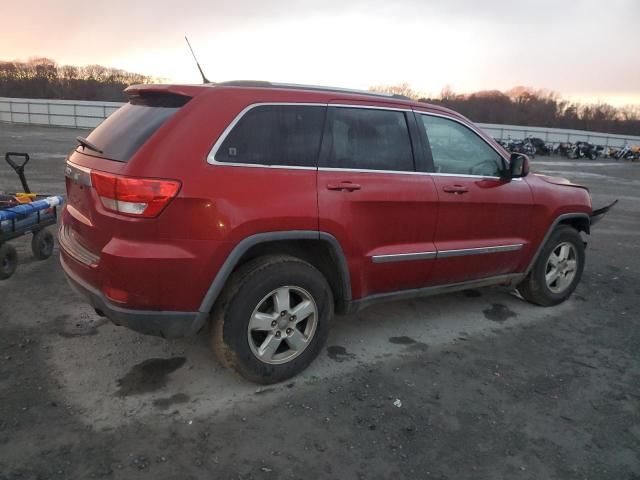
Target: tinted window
[
  {"x": 456, "y": 149},
  {"x": 275, "y": 135},
  {"x": 368, "y": 139},
  {"x": 129, "y": 127}
]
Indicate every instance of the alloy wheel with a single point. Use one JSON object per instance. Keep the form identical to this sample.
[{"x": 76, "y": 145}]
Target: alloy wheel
[
  {"x": 561, "y": 267},
  {"x": 282, "y": 325}
]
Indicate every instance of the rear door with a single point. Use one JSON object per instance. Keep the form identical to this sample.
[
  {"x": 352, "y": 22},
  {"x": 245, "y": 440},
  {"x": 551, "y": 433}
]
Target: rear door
[
  {"x": 483, "y": 226},
  {"x": 371, "y": 198}
]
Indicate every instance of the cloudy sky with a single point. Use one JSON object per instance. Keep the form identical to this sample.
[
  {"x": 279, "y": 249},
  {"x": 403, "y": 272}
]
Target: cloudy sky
[{"x": 583, "y": 49}]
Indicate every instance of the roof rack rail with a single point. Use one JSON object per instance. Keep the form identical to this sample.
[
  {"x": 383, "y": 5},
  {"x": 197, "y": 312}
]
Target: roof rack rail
[{"x": 265, "y": 84}]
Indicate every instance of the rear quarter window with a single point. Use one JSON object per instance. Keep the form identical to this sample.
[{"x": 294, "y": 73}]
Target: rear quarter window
[
  {"x": 128, "y": 128},
  {"x": 287, "y": 135}
]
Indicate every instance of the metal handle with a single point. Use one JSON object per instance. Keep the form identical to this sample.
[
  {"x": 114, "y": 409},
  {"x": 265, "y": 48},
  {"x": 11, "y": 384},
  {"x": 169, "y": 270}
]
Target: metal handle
[
  {"x": 19, "y": 168},
  {"x": 343, "y": 186},
  {"x": 13, "y": 164},
  {"x": 457, "y": 189}
]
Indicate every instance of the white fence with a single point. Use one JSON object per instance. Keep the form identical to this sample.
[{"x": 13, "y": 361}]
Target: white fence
[
  {"x": 84, "y": 114},
  {"x": 61, "y": 113},
  {"x": 555, "y": 135}
]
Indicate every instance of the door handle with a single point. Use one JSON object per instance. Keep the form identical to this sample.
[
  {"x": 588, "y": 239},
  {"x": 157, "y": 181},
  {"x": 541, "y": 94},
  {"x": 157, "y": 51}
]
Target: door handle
[
  {"x": 455, "y": 189},
  {"x": 343, "y": 186}
]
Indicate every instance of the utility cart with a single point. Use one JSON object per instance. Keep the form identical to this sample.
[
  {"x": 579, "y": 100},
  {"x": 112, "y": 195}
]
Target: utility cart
[{"x": 23, "y": 213}]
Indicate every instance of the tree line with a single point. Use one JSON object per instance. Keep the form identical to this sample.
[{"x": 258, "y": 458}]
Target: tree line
[
  {"x": 43, "y": 78},
  {"x": 530, "y": 107}
]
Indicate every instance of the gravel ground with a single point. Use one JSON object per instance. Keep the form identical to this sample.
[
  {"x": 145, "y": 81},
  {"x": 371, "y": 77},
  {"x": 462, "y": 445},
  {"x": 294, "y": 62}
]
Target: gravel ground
[{"x": 474, "y": 385}]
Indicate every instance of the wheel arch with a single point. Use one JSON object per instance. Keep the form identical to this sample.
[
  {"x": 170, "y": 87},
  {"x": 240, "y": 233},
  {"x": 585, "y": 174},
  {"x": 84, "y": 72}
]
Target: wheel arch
[
  {"x": 579, "y": 221},
  {"x": 320, "y": 249}
]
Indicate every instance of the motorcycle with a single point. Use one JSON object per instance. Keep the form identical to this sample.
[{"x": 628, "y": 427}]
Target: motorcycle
[
  {"x": 563, "y": 149},
  {"x": 583, "y": 150},
  {"x": 541, "y": 148}
]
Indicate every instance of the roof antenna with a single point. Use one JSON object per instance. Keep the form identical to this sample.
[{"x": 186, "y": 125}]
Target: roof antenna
[{"x": 204, "y": 78}]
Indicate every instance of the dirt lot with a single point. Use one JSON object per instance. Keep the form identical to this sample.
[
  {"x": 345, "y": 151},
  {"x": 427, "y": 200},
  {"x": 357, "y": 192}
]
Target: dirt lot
[{"x": 472, "y": 385}]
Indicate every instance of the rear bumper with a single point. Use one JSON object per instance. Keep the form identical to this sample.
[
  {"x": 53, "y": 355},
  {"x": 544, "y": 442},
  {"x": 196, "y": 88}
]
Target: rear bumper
[{"x": 167, "y": 324}]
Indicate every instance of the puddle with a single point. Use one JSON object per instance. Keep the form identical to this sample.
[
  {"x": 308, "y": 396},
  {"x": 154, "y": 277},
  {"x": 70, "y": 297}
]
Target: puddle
[
  {"x": 148, "y": 376},
  {"x": 498, "y": 313},
  {"x": 402, "y": 340},
  {"x": 339, "y": 354}
]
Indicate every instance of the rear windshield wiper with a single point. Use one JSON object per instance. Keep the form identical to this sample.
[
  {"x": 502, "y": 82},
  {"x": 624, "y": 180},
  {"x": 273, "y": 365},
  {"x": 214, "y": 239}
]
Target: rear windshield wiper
[{"x": 86, "y": 143}]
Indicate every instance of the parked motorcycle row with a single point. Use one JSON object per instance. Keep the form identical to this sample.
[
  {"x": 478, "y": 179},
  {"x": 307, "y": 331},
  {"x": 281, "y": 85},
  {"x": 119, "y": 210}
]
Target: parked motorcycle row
[{"x": 533, "y": 146}]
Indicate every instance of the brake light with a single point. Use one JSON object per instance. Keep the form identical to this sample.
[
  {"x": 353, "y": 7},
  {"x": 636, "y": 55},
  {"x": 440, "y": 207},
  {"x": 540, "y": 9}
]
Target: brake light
[{"x": 136, "y": 197}]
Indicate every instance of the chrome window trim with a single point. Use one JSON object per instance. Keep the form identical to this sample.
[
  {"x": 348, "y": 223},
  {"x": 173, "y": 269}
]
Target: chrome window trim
[
  {"x": 216, "y": 146},
  {"x": 211, "y": 158},
  {"x": 405, "y": 172},
  {"x": 401, "y": 257},
  {"x": 259, "y": 165},
  {"x": 365, "y": 170}
]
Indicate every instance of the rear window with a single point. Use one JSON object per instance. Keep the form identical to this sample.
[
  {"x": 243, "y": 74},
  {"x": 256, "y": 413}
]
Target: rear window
[{"x": 129, "y": 127}]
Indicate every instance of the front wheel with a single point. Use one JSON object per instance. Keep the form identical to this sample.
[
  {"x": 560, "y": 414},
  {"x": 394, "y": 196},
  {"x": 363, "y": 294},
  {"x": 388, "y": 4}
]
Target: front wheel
[
  {"x": 273, "y": 318},
  {"x": 558, "y": 269}
]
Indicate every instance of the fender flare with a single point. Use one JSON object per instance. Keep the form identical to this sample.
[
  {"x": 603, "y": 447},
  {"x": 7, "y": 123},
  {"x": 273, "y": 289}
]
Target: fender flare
[
  {"x": 558, "y": 220},
  {"x": 241, "y": 248}
]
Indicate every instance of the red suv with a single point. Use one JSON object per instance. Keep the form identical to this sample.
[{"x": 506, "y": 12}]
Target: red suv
[{"x": 268, "y": 207}]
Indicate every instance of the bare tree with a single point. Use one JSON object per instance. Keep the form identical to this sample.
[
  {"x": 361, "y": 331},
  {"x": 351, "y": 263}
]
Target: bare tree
[
  {"x": 41, "y": 77},
  {"x": 527, "y": 106}
]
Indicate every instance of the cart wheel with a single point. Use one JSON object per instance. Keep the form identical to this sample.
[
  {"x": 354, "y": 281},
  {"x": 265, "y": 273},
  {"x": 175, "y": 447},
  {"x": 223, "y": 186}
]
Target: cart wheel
[
  {"x": 8, "y": 261},
  {"x": 42, "y": 244}
]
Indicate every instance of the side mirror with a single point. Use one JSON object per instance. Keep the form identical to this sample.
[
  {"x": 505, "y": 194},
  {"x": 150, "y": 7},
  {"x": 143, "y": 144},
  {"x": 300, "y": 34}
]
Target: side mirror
[{"x": 518, "y": 165}]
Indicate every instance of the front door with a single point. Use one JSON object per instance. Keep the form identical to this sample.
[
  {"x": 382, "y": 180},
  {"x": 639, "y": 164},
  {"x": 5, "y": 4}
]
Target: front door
[
  {"x": 372, "y": 200},
  {"x": 483, "y": 227}
]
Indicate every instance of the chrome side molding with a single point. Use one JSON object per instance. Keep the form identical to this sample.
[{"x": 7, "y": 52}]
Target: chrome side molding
[{"x": 402, "y": 257}]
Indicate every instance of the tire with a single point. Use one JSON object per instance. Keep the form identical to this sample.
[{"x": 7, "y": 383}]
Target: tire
[
  {"x": 8, "y": 261},
  {"x": 42, "y": 244},
  {"x": 258, "y": 290},
  {"x": 535, "y": 288}
]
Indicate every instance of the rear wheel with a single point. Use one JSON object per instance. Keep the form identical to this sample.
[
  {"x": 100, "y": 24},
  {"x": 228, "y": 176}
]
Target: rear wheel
[
  {"x": 8, "y": 261},
  {"x": 557, "y": 270},
  {"x": 273, "y": 318},
  {"x": 42, "y": 244}
]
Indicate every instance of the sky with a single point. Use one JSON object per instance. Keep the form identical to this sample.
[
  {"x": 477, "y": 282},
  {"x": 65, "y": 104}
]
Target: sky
[{"x": 586, "y": 50}]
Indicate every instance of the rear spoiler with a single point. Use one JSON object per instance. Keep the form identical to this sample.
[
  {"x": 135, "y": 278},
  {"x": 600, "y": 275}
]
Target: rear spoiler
[
  {"x": 158, "y": 89},
  {"x": 597, "y": 215}
]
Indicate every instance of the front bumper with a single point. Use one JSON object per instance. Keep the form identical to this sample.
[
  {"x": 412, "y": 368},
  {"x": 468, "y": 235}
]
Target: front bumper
[
  {"x": 598, "y": 214},
  {"x": 167, "y": 324}
]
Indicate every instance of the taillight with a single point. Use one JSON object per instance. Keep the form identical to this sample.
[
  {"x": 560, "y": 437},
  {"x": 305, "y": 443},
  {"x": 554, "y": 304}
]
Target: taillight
[{"x": 136, "y": 197}]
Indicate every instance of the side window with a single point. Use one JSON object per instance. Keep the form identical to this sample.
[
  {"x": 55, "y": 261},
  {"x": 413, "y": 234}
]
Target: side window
[
  {"x": 275, "y": 135},
  {"x": 368, "y": 139},
  {"x": 457, "y": 149}
]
